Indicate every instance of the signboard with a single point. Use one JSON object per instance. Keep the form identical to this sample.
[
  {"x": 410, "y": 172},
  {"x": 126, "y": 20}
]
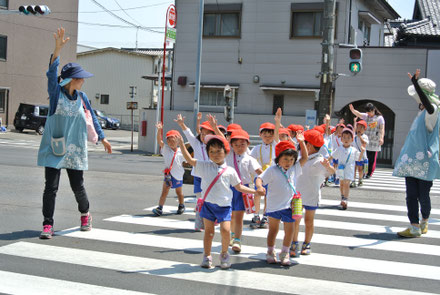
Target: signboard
[
  {"x": 310, "y": 118},
  {"x": 171, "y": 35},
  {"x": 172, "y": 16},
  {"x": 132, "y": 105}
]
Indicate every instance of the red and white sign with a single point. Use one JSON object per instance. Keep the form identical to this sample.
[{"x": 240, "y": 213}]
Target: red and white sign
[{"x": 171, "y": 17}]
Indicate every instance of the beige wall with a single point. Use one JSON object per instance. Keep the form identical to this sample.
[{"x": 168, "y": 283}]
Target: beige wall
[{"x": 30, "y": 43}]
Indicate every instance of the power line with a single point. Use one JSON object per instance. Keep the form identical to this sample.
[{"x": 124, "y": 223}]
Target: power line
[{"x": 126, "y": 12}]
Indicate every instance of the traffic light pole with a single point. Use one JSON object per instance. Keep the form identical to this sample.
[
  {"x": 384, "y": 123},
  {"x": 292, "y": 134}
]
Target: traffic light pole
[{"x": 327, "y": 67}]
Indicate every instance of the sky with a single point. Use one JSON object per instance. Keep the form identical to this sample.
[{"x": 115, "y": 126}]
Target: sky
[{"x": 109, "y": 31}]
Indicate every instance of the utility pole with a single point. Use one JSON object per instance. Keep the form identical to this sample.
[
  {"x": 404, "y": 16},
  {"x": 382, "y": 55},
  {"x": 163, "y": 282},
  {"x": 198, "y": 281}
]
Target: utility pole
[
  {"x": 327, "y": 67},
  {"x": 199, "y": 64}
]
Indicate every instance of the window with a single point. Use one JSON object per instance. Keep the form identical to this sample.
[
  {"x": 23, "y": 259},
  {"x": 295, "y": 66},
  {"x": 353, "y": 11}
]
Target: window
[
  {"x": 222, "y": 20},
  {"x": 2, "y": 100},
  {"x": 307, "y": 24},
  {"x": 3, "y": 4},
  {"x": 365, "y": 28},
  {"x": 278, "y": 102},
  {"x": 105, "y": 98},
  {"x": 3, "y": 47},
  {"x": 214, "y": 98}
]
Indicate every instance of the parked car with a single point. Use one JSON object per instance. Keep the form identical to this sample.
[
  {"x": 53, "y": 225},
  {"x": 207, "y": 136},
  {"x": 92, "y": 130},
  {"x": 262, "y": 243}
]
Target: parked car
[
  {"x": 110, "y": 123},
  {"x": 30, "y": 116}
]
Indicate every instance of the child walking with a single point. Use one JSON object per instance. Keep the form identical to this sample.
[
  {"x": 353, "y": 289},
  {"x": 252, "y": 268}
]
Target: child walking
[
  {"x": 345, "y": 158},
  {"x": 281, "y": 182},
  {"x": 173, "y": 173},
  {"x": 360, "y": 140},
  {"x": 314, "y": 171},
  {"x": 217, "y": 179},
  {"x": 245, "y": 166}
]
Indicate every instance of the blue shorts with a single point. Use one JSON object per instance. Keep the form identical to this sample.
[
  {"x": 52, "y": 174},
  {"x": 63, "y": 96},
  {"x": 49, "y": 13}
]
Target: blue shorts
[
  {"x": 175, "y": 183},
  {"x": 284, "y": 215},
  {"x": 197, "y": 185},
  {"x": 237, "y": 200},
  {"x": 214, "y": 212},
  {"x": 311, "y": 207}
]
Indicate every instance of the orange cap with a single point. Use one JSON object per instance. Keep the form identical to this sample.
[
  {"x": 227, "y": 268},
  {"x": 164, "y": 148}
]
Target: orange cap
[
  {"x": 240, "y": 134},
  {"x": 320, "y": 129},
  {"x": 222, "y": 139},
  {"x": 363, "y": 123},
  {"x": 172, "y": 133},
  {"x": 267, "y": 125},
  {"x": 233, "y": 126},
  {"x": 282, "y": 146},
  {"x": 284, "y": 131},
  {"x": 296, "y": 128},
  {"x": 206, "y": 126},
  {"x": 314, "y": 137}
]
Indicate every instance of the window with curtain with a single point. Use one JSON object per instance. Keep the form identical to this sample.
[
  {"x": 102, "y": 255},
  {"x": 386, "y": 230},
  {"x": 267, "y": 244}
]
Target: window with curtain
[
  {"x": 307, "y": 24},
  {"x": 214, "y": 98}
]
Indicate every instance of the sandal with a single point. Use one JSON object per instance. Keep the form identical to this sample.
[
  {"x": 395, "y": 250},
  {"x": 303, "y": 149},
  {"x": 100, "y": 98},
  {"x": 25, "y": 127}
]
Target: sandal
[{"x": 306, "y": 249}]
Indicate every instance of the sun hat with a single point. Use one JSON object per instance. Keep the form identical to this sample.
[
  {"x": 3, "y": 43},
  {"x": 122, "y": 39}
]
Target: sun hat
[
  {"x": 240, "y": 134},
  {"x": 363, "y": 123},
  {"x": 172, "y": 133},
  {"x": 314, "y": 137},
  {"x": 206, "y": 126},
  {"x": 233, "y": 126},
  {"x": 74, "y": 70},
  {"x": 295, "y": 128},
  {"x": 284, "y": 131},
  {"x": 320, "y": 129},
  {"x": 428, "y": 87},
  {"x": 267, "y": 125}
]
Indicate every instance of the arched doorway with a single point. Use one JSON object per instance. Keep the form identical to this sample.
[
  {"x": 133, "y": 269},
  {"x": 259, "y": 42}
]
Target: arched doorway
[{"x": 385, "y": 157}]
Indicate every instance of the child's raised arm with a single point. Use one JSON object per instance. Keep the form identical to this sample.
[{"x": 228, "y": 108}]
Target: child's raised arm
[
  {"x": 190, "y": 160},
  {"x": 159, "y": 128},
  {"x": 180, "y": 120},
  {"x": 327, "y": 124},
  {"x": 277, "y": 119},
  {"x": 304, "y": 153},
  {"x": 213, "y": 122},
  {"x": 199, "y": 118}
]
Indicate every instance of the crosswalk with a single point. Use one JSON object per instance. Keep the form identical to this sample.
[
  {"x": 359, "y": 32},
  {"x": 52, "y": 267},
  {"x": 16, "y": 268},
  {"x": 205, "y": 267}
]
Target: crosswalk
[
  {"x": 383, "y": 180},
  {"x": 354, "y": 252}
]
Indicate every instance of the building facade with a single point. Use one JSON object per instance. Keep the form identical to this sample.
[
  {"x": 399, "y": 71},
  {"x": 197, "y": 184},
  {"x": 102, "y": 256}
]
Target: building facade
[
  {"x": 26, "y": 42},
  {"x": 270, "y": 52}
]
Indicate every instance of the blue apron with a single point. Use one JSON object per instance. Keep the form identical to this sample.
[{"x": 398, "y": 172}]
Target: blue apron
[
  {"x": 419, "y": 155},
  {"x": 64, "y": 142}
]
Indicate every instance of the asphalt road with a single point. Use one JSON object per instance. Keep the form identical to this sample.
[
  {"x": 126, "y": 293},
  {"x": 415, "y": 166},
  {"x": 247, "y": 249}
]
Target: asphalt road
[{"x": 354, "y": 251}]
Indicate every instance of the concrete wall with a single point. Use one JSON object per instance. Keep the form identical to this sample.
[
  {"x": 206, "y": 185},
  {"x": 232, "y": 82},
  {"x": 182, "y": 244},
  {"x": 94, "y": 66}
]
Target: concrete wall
[{"x": 30, "y": 43}]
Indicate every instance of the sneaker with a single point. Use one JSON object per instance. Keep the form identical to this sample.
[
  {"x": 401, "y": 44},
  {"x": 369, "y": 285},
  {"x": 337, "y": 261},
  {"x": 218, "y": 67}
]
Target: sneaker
[
  {"x": 86, "y": 222},
  {"x": 295, "y": 250},
  {"x": 353, "y": 184},
  {"x": 180, "y": 209},
  {"x": 367, "y": 176},
  {"x": 285, "y": 258},
  {"x": 263, "y": 222},
  {"x": 343, "y": 205},
  {"x": 207, "y": 262},
  {"x": 224, "y": 261},
  {"x": 236, "y": 245},
  {"x": 47, "y": 232},
  {"x": 255, "y": 222},
  {"x": 157, "y": 211},
  {"x": 360, "y": 183},
  {"x": 337, "y": 181},
  {"x": 306, "y": 249},
  {"x": 410, "y": 232},
  {"x": 271, "y": 257},
  {"x": 424, "y": 227}
]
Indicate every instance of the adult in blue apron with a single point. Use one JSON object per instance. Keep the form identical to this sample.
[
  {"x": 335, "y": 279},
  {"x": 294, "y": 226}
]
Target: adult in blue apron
[
  {"x": 64, "y": 142},
  {"x": 418, "y": 161}
]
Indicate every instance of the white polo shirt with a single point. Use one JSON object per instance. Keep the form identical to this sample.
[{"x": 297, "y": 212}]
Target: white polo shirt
[
  {"x": 309, "y": 182},
  {"x": 199, "y": 148},
  {"x": 177, "y": 170},
  {"x": 220, "y": 193},
  {"x": 262, "y": 153},
  {"x": 246, "y": 165},
  {"x": 279, "y": 192},
  {"x": 341, "y": 154},
  {"x": 335, "y": 142}
]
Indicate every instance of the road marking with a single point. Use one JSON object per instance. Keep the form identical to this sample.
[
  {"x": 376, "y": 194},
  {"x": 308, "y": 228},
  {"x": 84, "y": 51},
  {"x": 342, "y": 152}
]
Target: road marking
[
  {"x": 21, "y": 284},
  {"x": 348, "y": 242},
  {"x": 324, "y": 212},
  {"x": 320, "y": 260},
  {"x": 192, "y": 272}
]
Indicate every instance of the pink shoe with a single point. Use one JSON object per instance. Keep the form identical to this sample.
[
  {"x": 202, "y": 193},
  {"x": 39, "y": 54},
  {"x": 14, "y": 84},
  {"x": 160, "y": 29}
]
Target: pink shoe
[
  {"x": 47, "y": 232},
  {"x": 86, "y": 222}
]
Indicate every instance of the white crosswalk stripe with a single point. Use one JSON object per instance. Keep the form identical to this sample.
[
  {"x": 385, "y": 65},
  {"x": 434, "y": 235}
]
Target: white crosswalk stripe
[
  {"x": 383, "y": 180},
  {"x": 368, "y": 235}
]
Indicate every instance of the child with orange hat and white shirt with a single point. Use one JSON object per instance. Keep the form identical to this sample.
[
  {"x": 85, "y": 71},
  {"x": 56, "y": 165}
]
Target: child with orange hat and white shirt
[
  {"x": 265, "y": 155},
  {"x": 360, "y": 140},
  {"x": 174, "y": 169},
  {"x": 281, "y": 180},
  {"x": 314, "y": 171}
]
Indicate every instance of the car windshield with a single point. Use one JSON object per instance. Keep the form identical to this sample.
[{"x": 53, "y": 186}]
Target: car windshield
[
  {"x": 26, "y": 109},
  {"x": 101, "y": 113}
]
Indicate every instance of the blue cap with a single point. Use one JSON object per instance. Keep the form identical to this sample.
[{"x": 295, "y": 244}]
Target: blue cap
[{"x": 74, "y": 70}]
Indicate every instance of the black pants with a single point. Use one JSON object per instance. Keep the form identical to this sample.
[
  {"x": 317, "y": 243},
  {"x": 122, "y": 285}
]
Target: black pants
[
  {"x": 52, "y": 176},
  {"x": 417, "y": 191},
  {"x": 372, "y": 157}
]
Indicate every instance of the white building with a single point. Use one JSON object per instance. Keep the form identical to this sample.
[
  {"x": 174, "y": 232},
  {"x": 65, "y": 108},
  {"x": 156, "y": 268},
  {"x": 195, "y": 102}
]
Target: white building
[{"x": 115, "y": 71}]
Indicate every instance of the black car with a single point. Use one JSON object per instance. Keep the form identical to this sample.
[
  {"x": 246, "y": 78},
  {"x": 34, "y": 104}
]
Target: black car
[
  {"x": 30, "y": 116},
  {"x": 110, "y": 123}
]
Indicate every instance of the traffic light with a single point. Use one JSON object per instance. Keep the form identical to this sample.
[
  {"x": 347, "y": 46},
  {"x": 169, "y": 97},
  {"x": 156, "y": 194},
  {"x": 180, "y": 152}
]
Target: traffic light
[
  {"x": 355, "y": 60},
  {"x": 34, "y": 9},
  {"x": 228, "y": 93}
]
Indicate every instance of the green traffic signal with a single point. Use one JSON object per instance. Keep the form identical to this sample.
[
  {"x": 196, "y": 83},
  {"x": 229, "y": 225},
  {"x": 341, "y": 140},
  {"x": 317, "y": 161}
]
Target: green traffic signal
[{"x": 355, "y": 67}]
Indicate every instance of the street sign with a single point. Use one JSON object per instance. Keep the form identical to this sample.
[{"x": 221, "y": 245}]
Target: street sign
[
  {"x": 310, "y": 118},
  {"x": 172, "y": 17},
  {"x": 171, "y": 35},
  {"x": 132, "y": 105}
]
